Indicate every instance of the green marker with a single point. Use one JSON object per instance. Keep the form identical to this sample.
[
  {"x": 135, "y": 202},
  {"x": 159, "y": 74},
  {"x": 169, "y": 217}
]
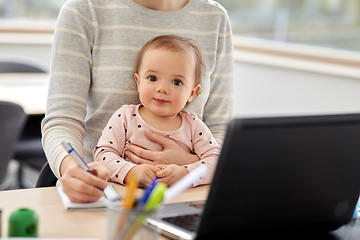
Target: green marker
[{"x": 156, "y": 196}]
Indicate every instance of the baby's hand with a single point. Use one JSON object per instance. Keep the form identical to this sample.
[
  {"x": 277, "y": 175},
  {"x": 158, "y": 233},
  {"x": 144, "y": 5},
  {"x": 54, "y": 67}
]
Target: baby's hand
[
  {"x": 145, "y": 173},
  {"x": 170, "y": 174}
]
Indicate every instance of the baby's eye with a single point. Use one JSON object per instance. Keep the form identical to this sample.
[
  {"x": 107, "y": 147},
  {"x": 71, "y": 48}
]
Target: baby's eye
[
  {"x": 177, "y": 82},
  {"x": 152, "y": 78}
]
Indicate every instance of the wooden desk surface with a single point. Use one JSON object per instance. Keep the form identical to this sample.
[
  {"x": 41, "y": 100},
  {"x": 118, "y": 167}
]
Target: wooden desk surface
[
  {"x": 27, "y": 89},
  {"x": 55, "y": 221}
]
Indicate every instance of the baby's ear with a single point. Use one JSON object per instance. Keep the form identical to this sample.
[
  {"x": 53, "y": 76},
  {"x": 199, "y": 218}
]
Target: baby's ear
[
  {"x": 194, "y": 92},
  {"x": 137, "y": 80}
]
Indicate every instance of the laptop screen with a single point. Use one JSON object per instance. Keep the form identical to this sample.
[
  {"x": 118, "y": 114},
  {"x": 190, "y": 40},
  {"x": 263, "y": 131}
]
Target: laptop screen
[{"x": 278, "y": 174}]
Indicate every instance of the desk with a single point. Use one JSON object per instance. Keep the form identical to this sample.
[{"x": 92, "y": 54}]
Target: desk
[
  {"x": 55, "y": 221},
  {"x": 26, "y": 89}
]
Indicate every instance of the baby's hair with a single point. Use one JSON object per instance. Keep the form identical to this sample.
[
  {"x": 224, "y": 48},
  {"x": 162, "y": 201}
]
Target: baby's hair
[{"x": 177, "y": 44}]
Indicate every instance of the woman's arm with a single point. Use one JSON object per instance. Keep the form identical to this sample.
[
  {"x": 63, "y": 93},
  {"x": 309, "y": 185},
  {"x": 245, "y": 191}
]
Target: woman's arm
[
  {"x": 218, "y": 109},
  {"x": 172, "y": 153},
  {"x": 70, "y": 81},
  {"x": 207, "y": 149}
]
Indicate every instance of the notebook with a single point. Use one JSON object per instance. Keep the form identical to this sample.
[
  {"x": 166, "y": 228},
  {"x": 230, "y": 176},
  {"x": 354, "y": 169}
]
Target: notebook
[
  {"x": 101, "y": 204},
  {"x": 286, "y": 177}
]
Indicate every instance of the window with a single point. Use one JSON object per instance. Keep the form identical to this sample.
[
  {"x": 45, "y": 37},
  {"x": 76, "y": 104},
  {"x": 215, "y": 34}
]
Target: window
[
  {"x": 29, "y": 15},
  {"x": 324, "y": 23}
]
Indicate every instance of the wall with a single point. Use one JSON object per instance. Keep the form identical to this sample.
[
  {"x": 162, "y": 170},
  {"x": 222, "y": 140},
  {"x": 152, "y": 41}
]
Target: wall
[
  {"x": 276, "y": 79},
  {"x": 36, "y": 46},
  {"x": 271, "y": 91}
]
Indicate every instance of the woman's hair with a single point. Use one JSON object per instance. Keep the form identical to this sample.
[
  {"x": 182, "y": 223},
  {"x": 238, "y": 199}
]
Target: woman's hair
[{"x": 177, "y": 44}]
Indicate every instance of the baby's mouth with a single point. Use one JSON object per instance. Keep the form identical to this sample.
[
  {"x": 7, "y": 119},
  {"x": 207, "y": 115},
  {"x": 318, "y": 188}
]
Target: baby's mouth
[{"x": 160, "y": 101}]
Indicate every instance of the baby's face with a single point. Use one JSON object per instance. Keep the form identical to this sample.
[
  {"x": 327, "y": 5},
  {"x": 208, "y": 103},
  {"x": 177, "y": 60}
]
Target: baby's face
[{"x": 166, "y": 81}]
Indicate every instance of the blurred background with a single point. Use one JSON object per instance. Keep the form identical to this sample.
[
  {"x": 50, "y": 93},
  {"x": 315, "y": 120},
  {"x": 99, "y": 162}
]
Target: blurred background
[
  {"x": 292, "y": 57},
  {"x": 325, "y": 23}
]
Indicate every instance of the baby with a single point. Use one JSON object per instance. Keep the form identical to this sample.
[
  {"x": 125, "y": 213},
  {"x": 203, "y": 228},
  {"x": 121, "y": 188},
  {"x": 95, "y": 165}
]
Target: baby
[{"x": 168, "y": 75}]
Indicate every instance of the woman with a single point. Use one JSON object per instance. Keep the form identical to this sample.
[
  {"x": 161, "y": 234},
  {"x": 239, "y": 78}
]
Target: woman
[{"x": 95, "y": 47}]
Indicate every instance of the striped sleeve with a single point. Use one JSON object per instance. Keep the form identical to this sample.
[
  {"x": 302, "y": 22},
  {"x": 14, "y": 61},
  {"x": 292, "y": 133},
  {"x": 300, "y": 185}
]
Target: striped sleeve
[
  {"x": 70, "y": 82},
  {"x": 218, "y": 108}
]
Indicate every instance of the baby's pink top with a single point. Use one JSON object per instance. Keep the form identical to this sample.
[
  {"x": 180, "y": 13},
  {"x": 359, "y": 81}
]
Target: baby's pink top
[{"x": 126, "y": 126}]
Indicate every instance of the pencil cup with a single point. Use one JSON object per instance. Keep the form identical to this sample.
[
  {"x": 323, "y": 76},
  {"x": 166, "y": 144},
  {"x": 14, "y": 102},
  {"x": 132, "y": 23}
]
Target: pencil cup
[{"x": 126, "y": 224}]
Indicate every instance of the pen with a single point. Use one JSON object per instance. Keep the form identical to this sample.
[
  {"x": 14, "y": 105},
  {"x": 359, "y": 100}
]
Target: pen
[
  {"x": 69, "y": 148},
  {"x": 185, "y": 182},
  {"x": 109, "y": 191}
]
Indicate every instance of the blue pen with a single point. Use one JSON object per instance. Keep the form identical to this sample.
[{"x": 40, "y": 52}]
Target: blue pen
[{"x": 75, "y": 156}]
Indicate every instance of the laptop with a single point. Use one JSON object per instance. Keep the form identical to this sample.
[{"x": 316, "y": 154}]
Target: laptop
[{"x": 279, "y": 176}]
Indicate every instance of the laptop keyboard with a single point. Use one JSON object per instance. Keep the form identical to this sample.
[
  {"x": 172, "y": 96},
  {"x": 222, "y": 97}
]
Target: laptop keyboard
[{"x": 188, "y": 222}]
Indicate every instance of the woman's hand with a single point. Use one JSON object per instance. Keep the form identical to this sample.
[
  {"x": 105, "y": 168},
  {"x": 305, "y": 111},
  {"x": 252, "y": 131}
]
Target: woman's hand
[
  {"x": 172, "y": 153},
  {"x": 81, "y": 186}
]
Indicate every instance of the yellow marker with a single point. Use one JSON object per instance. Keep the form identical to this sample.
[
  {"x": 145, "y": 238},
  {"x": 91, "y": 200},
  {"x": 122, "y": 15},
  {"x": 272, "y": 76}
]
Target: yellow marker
[
  {"x": 128, "y": 204},
  {"x": 129, "y": 199}
]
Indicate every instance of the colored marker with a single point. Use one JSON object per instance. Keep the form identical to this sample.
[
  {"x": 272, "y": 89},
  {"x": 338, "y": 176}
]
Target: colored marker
[
  {"x": 147, "y": 192},
  {"x": 154, "y": 200},
  {"x": 127, "y": 204},
  {"x": 185, "y": 182},
  {"x": 129, "y": 199},
  {"x": 156, "y": 196}
]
